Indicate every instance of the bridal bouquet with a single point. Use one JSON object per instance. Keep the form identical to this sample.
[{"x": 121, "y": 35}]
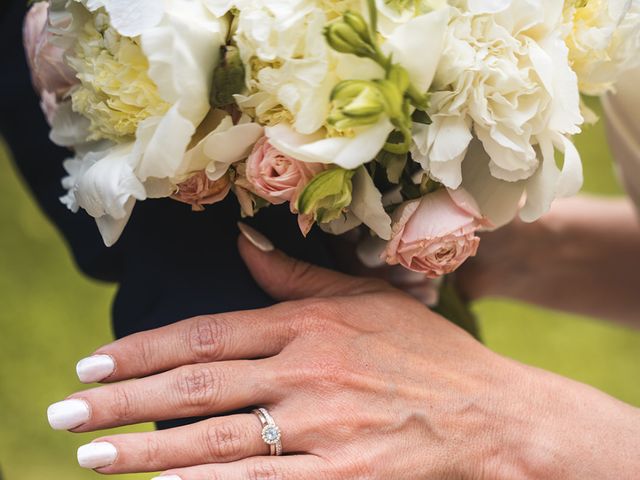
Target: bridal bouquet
[{"x": 424, "y": 121}]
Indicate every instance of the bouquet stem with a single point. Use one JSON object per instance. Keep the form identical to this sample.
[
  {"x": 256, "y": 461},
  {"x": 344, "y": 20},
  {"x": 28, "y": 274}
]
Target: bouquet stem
[{"x": 455, "y": 308}]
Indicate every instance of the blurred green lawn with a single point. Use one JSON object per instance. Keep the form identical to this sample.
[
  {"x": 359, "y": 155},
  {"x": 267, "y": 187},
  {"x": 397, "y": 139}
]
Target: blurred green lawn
[{"x": 50, "y": 316}]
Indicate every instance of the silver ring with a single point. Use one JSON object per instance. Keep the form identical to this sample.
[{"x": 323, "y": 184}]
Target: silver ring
[{"x": 271, "y": 434}]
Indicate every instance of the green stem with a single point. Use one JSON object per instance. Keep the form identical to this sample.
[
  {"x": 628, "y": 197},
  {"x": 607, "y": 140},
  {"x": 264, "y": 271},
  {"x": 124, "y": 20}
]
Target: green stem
[
  {"x": 373, "y": 20},
  {"x": 455, "y": 309},
  {"x": 400, "y": 148},
  {"x": 418, "y": 99}
]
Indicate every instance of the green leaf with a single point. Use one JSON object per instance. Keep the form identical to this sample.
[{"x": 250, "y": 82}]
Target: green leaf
[
  {"x": 394, "y": 165},
  {"x": 420, "y": 116}
]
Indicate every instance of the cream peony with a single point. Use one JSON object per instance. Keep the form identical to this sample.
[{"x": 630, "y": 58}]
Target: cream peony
[
  {"x": 146, "y": 69},
  {"x": 504, "y": 78},
  {"x": 603, "y": 40}
]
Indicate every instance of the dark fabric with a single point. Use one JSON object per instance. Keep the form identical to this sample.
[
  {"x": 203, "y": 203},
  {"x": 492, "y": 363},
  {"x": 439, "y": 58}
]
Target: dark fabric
[{"x": 170, "y": 263}]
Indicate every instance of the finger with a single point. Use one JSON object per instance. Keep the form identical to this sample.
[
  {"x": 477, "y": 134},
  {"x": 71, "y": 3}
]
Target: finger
[
  {"x": 298, "y": 467},
  {"x": 216, "y": 440},
  {"x": 285, "y": 278},
  {"x": 229, "y": 336},
  {"x": 185, "y": 392}
]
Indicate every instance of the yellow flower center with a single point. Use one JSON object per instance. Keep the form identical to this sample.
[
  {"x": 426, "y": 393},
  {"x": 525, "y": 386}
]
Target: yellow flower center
[{"x": 115, "y": 91}]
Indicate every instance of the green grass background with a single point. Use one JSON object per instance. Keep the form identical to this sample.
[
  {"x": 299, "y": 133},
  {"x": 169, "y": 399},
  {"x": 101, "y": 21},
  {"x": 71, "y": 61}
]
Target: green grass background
[{"x": 50, "y": 316}]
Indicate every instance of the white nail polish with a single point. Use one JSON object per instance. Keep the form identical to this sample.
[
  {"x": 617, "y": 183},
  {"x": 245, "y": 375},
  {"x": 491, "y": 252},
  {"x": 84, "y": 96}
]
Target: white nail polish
[
  {"x": 97, "y": 455},
  {"x": 167, "y": 477},
  {"x": 95, "y": 368},
  {"x": 258, "y": 240},
  {"x": 68, "y": 414}
]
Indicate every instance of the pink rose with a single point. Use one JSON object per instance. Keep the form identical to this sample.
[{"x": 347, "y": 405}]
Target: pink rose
[
  {"x": 436, "y": 234},
  {"x": 199, "y": 191},
  {"x": 278, "y": 178},
  {"x": 275, "y": 176},
  {"x": 51, "y": 77}
]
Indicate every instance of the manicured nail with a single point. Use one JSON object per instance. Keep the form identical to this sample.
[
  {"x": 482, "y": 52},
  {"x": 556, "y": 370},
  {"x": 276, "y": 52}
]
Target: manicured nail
[
  {"x": 256, "y": 238},
  {"x": 167, "y": 477},
  {"x": 95, "y": 368},
  {"x": 68, "y": 414},
  {"x": 97, "y": 455}
]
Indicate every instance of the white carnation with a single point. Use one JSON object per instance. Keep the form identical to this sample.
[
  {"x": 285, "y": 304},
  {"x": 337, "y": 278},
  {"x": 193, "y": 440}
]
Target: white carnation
[
  {"x": 504, "y": 78},
  {"x": 604, "y": 41}
]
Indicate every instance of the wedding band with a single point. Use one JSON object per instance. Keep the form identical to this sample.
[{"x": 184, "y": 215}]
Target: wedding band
[{"x": 271, "y": 434}]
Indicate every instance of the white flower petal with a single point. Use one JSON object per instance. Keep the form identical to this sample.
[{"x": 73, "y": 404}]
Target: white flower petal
[
  {"x": 541, "y": 187},
  {"x": 417, "y": 45},
  {"x": 498, "y": 200},
  {"x": 341, "y": 225},
  {"x": 130, "y": 18},
  {"x": 105, "y": 185},
  {"x": 367, "y": 205},
  {"x": 111, "y": 228},
  {"x": 346, "y": 152}
]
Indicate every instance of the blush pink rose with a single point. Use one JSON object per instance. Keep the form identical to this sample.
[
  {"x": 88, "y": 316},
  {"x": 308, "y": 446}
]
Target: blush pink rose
[
  {"x": 275, "y": 176},
  {"x": 199, "y": 191},
  {"x": 278, "y": 178},
  {"x": 436, "y": 234},
  {"x": 52, "y": 77}
]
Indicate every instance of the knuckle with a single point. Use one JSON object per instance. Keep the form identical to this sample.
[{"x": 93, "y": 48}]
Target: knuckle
[
  {"x": 314, "y": 316},
  {"x": 152, "y": 451},
  {"x": 205, "y": 337},
  {"x": 323, "y": 373},
  {"x": 300, "y": 271},
  {"x": 146, "y": 352},
  {"x": 223, "y": 442},
  {"x": 197, "y": 386},
  {"x": 122, "y": 405},
  {"x": 263, "y": 470}
]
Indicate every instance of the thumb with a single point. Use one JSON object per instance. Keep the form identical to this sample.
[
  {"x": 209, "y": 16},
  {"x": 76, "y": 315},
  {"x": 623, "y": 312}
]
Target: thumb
[{"x": 285, "y": 278}]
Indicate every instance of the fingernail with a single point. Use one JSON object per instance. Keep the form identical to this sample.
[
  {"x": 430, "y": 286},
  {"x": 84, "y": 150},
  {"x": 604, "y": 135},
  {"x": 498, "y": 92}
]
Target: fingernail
[
  {"x": 258, "y": 240},
  {"x": 97, "y": 455},
  {"x": 68, "y": 414},
  {"x": 95, "y": 368},
  {"x": 167, "y": 477}
]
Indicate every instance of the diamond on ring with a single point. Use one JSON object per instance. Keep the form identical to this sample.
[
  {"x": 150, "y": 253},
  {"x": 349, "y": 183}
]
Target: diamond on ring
[{"x": 271, "y": 434}]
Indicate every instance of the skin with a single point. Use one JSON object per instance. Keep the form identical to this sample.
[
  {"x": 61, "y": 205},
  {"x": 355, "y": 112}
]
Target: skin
[
  {"x": 583, "y": 257},
  {"x": 364, "y": 382}
]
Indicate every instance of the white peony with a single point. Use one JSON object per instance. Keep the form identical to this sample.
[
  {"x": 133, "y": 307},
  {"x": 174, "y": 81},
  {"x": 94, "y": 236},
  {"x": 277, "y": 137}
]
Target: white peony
[
  {"x": 504, "y": 79},
  {"x": 604, "y": 41},
  {"x": 146, "y": 69}
]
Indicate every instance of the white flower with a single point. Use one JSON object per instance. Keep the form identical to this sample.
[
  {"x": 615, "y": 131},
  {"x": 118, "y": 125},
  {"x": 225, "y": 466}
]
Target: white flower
[
  {"x": 223, "y": 145},
  {"x": 505, "y": 79},
  {"x": 290, "y": 70},
  {"x": 603, "y": 40},
  {"x": 406, "y": 44},
  {"x": 168, "y": 51}
]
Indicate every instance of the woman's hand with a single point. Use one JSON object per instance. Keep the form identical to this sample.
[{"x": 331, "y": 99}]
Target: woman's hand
[
  {"x": 582, "y": 257},
  {"x": 364, "y": 383}
]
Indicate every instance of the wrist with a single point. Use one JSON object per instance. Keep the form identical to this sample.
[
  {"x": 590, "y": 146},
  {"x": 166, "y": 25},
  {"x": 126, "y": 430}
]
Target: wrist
[{"x": 553, "y": 427}]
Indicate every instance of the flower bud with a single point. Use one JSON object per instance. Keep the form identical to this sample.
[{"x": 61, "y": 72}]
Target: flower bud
[
  {"x": 356, "y": 103},
  {"x": 358, "y": 24},
  {"x": 327, "y": 195},
  {"x": 350, "y": 35}
]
